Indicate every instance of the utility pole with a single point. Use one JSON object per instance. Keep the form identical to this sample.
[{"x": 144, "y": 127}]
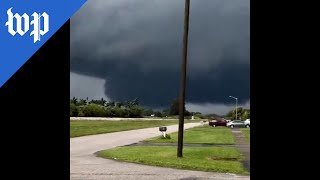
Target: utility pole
[
  {"x": 183, "y": 78},
  {"x": 236, "y": 106}
]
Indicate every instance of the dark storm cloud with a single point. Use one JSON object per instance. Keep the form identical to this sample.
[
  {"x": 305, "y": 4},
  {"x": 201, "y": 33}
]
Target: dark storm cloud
[{"x": 136, "y": 46}]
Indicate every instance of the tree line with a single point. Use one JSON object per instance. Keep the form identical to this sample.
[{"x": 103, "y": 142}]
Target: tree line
[
  {"x": 103, "y": 108},
  {"x": 125, "y": 109},
  {"x": 132, "y": 109},
  {"x": 242, "y": 114}
]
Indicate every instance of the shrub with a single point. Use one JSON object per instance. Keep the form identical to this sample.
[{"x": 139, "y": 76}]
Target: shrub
[
  {"x": 158, "y": 114},
  {"x": 81, "y": 114},
  {"x": 73, "y": 110},
  {"x": 119, "y": 112},
  {"x": 135, "y": 112},
  {"x": 81, "y": 111},
  {"x": 94, "y": 110}
]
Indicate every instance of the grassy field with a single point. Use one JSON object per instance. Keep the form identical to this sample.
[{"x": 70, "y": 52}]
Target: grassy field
[
  {"x": 246, "y": 133},
  {"x": 215, "y": 159},
  {"x": 201, "y": 135},
  {"x": 90, "y": 127}
]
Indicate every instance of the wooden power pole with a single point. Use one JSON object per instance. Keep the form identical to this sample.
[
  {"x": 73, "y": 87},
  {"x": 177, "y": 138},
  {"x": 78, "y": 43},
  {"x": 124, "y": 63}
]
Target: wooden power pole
[{"x": 183, "y": 78}]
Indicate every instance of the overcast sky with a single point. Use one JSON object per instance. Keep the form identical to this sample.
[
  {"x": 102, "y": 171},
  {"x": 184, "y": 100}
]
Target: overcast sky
[{"x": 126, "y": 49}]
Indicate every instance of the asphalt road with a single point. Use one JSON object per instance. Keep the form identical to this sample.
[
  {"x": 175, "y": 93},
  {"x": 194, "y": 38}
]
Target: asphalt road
[{"x": 86, "y": 166}]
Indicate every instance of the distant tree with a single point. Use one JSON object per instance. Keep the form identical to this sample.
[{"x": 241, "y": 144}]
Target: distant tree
[
  {"x": 74, "y": 101},
  {"x": 93, "y": 101},
  {"x": 119, "y": 112},
  {"x": 245, "y": 114},
  {"x": 147, "y": 112},
  {"x": 187, "y": 113},
  {"x": 158, "y": 114},
  {"x": 174, "y": 108},
  {"x": 135, "y": 102},
  {"x": 239, "y": 110},
  {"x": 102, "y": 102},
  {"x": 81, "y": 111},
  {"x": 135, "y": 112},
  {"x": 165, "y": 112},
  {"x": 82, "y": 102},
  {"x": 94, "y": 110},
  {"x": 110, "y": 104},
  {"x": 73, "y": 110},
  {"x": 132, "y": 103},
  {"x": 126, "y": 104},
  {"x": 241, "y": 114},
  {"x": 119, "y": 104},
  {"x": 102, "y": 108}
]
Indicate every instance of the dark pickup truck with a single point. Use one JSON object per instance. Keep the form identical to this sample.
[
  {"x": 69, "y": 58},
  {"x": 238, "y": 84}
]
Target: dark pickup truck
[{"x": 219, "y": 122}]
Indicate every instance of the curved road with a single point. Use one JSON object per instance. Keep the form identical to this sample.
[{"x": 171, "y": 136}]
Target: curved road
[{"x": 86, "y": 166}]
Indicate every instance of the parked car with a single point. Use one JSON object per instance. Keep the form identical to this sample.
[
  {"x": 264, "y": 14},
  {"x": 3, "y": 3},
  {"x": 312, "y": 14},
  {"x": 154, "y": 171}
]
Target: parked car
[
  {"x": 218, "y": 122},
  {"x": 247, "y": 122},
  {"x": 237, "y": 123}
]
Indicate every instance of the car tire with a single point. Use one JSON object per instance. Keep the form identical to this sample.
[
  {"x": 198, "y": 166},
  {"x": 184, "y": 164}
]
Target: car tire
[
  {"x": 213, "y": 125},
  {"x": 247, "y": 126},
  {"x": 231, "y": 126}
]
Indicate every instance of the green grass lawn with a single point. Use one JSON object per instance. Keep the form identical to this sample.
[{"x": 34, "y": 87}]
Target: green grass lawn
[
  {"x": 246, "y": 133},
  {"x": 89, "y": 127},
  {"x": 215, "y": 159},
  {"x": 201, "y": 135}
]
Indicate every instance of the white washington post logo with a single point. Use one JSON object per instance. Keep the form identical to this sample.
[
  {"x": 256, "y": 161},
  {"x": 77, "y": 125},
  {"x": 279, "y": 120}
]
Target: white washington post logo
[{"x": 36, "y": 22}]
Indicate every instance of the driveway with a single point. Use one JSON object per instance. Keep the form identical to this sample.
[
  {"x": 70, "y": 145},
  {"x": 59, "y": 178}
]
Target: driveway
[{"x": 84, "y": 165}]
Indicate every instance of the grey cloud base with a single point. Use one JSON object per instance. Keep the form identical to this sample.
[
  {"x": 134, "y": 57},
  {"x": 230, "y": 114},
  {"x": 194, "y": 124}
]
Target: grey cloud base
[{"x": 136, "y": 46}]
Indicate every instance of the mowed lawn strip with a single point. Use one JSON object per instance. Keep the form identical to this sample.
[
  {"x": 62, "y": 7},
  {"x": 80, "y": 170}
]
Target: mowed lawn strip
[
  {"x": 214, "y": 159},
  {"x": 91, "y": 127},
  {"x": 200, "y": 135}
]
